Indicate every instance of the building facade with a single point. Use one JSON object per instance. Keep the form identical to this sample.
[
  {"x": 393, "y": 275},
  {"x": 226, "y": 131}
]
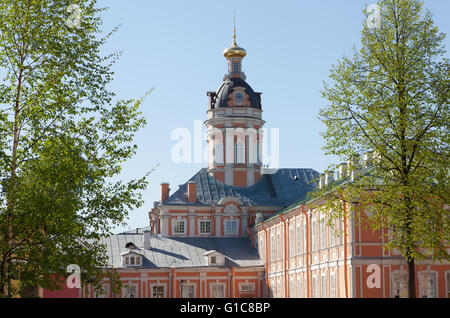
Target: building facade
[
  {"x": 237, "y": 230},
  {"x": 304, "y": 257}
]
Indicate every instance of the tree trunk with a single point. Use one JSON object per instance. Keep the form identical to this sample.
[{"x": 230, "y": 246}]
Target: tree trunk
[{"x": 411, "y": 279}]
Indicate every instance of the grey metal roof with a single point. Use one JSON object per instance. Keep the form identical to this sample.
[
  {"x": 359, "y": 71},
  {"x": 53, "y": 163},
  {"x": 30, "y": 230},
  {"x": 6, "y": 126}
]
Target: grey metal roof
[
  {"x": 181, "y": 251},
  {"x": 279, "y": 189},
  {"x": 221, "y": 98}
]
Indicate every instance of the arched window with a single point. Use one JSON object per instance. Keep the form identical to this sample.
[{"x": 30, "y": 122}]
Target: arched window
[
  {"x": 239, "y": 153},
  {"x": 219, "y": 153}
]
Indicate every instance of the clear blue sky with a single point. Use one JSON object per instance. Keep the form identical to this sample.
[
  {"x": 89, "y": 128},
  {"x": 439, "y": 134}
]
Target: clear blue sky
[{"x": 176, "y": 47}]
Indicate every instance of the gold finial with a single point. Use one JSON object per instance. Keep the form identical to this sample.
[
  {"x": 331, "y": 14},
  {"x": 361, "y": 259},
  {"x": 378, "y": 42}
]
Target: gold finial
[
  {"x": 234, "y": 49},
  {"x": 234, "y": 27}
]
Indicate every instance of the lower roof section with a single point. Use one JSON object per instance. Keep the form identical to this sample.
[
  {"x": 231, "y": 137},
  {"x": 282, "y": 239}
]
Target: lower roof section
[{"x": 180, "y": 252}]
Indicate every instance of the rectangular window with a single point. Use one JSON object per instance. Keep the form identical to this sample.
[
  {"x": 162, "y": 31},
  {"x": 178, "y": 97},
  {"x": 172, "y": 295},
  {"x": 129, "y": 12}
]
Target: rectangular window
[
  {"x": 341, "y": 231},
  {"x": 332, "y": 285},
  {"x": 231, "y": 227},
  {"x": 179, "y": 227},
  {"x": 314, "y": 287},
  {"x": 427, "y": 285},
  {"x": 158, "y": 291},
  {"x": 305, "y": 231},
  {"x": 324, "y": 286},
  {"x": 272, "y": 247},
  {"x": 291, "y": 288},
  {"x": 399, "y": 284},
  {"x": 129, "y": 292},
  {"x": 131, "y": 260},
  {"x": 205, "y": 227},
  {"x": 235, "y": 67},
  {"x": 239, "y": 151},
  {"x": 314, "y": 235},
  {"x": 332, "y": 235},
  {"x": 279, "y": 289},
  {"x": 448, "y": 284},
  {"x": 291, "y": 240},
  {"x": 299, "y": 239},
  {"x": 247, "y": 287},
  {"x": 322, "y": 233},
  {"x": 278, "y": 244},
  {"x": 299, "y": 287},
  {"x": 217, "y": 290},
  {"x": 261, "y": 248},
  {"x": 305, "y": 286},
  {"x": 103, "y": 292},
  {"x": 187, "y": 291}
]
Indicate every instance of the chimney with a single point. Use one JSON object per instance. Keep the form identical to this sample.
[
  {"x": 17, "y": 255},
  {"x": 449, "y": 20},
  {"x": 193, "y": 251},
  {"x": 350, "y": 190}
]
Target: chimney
[
  {"x": 321, "y": 180},
  {"x": 353, "y": 163},
  {"x": 329, "y": 177},
  {"x": 342, "y": 170},
  {"x": 164, "y": 191},
  {"x": 147, "y": 240},
  {"x": 354, "y": 167},
  {"x": 192, "y": 191},
  {"x": 368, "y": 158}
]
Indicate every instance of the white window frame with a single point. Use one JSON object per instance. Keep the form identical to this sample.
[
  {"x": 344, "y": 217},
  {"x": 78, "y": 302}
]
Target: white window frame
[
  {"x": 299, "y": 287},
  {"x": 332, "y": 285},
  {"x": 402, "y": 277},
  {"x": 127, "y": 288},
  {"x": 190, "y": 285},
  {"x": 291, "y": 287},
  {"x": 241, "y": 288},
  {"x": 176, "y": 224},
  {"x": 298, "y": 238},
  {"x": 322, "y": 229},
  {"x": 218, "y": 153},
  {"x": 239, "y": 153},
  {"x": 105, "y": 294},
  {"x": 314, "y": 234},
  {"x": 272, "y": 246},
  {"x": 323, "y": 286},
  {"x": 447, "y": 284},
  {"x": 291, "y": 239},
  {"x": 152, "y": 286},
  {"x": 200, "y": 226},
  {"x": 314, "y": 286},
  {"x": 420, "y": 276},
  {"x": 229, "y": 227},
  {"x": 213, "y": 286}
]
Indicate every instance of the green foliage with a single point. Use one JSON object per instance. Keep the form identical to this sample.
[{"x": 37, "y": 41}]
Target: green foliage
[
  {"x": 391, "y": 98},
  {"x": 63, "y": 137}
]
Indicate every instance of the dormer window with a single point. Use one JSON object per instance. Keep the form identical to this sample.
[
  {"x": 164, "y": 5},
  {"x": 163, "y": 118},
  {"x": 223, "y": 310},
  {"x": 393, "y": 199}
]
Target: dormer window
[
  {"x": 132, "y": 259},
  {"x": 215, "y": 258}
]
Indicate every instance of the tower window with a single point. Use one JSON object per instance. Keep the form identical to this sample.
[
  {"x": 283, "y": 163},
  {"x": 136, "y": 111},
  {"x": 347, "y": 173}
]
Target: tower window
[
  {"x": 235, "y": 67},
  {"x": 239, "y": 153},
  {"x": 219, "y": 153}
]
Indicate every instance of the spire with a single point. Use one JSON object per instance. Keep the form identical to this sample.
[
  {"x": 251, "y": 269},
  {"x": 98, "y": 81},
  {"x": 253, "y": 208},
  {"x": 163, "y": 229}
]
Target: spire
[
  {"x": 234, "y": 28},
  {"x": 234, "y": 50}
]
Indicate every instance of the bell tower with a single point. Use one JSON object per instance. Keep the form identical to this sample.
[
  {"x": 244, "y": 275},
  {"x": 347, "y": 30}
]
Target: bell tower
[{"x": 233, "y": 124}]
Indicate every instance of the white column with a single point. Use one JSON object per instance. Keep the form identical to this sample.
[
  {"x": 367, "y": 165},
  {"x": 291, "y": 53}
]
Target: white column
[
  {"x": 217, "y": 219},
  {"x": 191, "y": 225},
  {"x": 164, "y": 224}
]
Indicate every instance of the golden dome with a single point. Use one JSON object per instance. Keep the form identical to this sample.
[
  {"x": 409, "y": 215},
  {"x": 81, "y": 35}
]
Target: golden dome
[{"x": 234, "y": 50}]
